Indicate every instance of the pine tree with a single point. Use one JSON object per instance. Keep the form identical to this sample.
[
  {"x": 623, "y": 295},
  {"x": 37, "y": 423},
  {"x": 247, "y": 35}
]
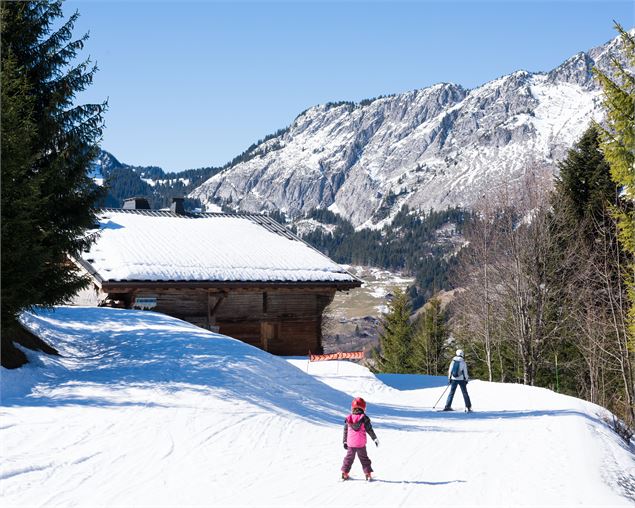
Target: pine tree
[
  {"x": 618, "y": 145},
  {"x": 395, "y": 336},
  {"x": 584, "y": 187},
  {"x": 429, "y": 339},
  {"x": 47, "y": 146}
]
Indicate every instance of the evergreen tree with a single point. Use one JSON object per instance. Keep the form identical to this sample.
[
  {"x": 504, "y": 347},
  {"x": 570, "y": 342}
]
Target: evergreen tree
[
  {"x": 584, "y": 187},
  {"x": 409, "y": 244},
  {"x": 395, "y": 336},
  {"x": 47, "y": 146},
  {"x": 618, "y": 145},
  {"x": 429, "y": 339}
]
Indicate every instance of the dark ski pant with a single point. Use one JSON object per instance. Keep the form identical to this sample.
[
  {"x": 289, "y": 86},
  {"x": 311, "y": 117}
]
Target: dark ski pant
[
  {"x": 466, "y": 397},
  {"x": 350, "y": 458}
]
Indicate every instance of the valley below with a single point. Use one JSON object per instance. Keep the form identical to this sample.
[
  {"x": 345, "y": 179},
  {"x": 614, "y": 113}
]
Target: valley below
[{"x": 352, "y": 321}]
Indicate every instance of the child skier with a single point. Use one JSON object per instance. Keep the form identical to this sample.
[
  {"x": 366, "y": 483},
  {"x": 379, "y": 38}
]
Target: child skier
[{"x": 356, "y": 425}]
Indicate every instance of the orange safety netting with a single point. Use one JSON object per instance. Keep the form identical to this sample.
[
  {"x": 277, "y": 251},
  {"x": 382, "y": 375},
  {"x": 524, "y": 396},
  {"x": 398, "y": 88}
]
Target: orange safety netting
[{"x": 356, "y": 355}]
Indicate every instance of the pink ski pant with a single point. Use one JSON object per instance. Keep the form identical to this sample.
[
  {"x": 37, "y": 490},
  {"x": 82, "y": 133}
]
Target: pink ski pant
[{"x": 350, "y": 458}]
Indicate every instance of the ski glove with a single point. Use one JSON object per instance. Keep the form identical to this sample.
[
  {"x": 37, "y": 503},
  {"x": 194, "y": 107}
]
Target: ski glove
[
  {"x": 376, "y": 442},
  {"x": 345, "y": 446}
]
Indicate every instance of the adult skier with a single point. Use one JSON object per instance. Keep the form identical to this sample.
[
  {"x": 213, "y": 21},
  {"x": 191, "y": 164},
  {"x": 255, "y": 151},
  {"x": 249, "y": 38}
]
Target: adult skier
[{"x": 457, "y": 376}]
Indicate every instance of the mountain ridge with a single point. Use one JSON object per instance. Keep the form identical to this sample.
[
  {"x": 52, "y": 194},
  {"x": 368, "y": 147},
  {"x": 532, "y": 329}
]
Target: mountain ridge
[{"x": 435, "y": 147}]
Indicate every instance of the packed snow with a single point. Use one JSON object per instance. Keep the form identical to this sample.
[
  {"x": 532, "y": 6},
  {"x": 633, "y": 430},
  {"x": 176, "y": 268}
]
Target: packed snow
[
  {"x": 144, "y": 410},
  {"x": 150, "y": 247}
]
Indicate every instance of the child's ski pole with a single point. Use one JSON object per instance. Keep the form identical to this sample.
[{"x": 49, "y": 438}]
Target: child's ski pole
[{"x": 435, "y": 404}]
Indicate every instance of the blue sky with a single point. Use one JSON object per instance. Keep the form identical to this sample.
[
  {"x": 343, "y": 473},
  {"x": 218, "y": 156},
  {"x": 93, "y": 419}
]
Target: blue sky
[{"x": 193, "y": 84}]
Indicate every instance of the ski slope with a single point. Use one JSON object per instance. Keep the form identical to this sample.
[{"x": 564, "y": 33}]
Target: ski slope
[{"x": 144, "y": 410}]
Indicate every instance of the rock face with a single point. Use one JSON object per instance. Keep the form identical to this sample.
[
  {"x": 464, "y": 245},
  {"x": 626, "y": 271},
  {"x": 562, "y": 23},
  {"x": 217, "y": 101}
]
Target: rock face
[{"x": 432, "y": 148}]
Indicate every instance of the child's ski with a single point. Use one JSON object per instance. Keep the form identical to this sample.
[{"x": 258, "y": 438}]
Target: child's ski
[{"x": 350, "y": 478}]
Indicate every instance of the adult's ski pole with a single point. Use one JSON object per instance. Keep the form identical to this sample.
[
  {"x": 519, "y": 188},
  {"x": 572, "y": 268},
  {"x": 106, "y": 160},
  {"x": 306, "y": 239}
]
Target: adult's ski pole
[{"x": 446, "y": 389}]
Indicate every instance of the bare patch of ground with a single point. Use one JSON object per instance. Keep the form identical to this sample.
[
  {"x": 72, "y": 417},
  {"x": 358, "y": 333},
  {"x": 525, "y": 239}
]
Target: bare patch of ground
[{"x": 352, "y": 321}]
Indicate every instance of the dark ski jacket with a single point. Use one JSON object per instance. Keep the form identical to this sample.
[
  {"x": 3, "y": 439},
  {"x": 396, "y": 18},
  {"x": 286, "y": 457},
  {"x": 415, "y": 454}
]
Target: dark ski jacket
[{"x": 356, "y": 426}]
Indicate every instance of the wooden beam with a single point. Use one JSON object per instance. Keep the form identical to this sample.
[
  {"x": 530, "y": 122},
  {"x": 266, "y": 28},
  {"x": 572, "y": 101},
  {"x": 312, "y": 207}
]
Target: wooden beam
[
  {"x": 209, "y": 312},
  {"x": 221, "y": 297}
]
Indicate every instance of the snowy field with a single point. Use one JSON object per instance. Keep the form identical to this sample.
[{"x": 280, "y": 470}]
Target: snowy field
[{"x": 143, "y": 410}]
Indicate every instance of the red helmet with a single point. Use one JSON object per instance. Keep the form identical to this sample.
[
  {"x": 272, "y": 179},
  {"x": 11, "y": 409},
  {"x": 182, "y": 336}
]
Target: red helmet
[{"x": 360, "y": 403}]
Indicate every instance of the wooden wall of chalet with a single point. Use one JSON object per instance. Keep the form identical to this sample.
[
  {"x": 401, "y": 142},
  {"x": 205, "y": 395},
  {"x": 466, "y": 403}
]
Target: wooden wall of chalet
[{"x": 285, "y": 321}]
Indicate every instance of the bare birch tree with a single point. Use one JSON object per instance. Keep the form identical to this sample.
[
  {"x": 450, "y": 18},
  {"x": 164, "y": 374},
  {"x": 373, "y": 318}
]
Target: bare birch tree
[{"x": 476, "y": 301}]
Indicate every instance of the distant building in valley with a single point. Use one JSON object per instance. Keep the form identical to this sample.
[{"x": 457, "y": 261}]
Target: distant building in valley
[{"x": 243, "y": 275}]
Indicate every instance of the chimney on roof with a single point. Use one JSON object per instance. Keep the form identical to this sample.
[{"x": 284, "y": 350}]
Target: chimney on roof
[
  {"x": 177, "y": 206},
  {"x": 136, "y": 204}
]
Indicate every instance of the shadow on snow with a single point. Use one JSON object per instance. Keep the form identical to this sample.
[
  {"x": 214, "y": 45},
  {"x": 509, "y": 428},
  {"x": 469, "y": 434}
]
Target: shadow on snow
[{"x": 116, "y": 358}]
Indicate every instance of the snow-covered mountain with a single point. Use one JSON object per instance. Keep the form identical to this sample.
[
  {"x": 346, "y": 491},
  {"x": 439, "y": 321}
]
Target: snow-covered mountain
[
  {"x": 144, "y": 410},
  {"x": 431, "y": 148},
  {"x": 102, "y": 166},
  {"x": 106, "y": 162}
]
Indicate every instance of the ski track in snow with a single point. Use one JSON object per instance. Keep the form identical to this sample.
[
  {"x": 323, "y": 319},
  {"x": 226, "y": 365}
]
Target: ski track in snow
[{"x": 173, "y": 416}]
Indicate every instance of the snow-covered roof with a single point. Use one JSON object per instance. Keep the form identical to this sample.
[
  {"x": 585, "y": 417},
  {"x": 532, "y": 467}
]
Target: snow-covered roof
[{"x": 145, "y": 245}]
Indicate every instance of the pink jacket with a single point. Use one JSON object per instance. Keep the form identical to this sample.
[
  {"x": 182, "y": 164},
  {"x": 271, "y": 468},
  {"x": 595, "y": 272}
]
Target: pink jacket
[{"x": 355, "y": 428}]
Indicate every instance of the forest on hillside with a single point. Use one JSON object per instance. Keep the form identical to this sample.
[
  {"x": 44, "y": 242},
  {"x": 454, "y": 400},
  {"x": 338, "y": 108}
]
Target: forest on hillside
[
  {"x": 419, "y": 244},
  {"x": 123, "y": 181}
]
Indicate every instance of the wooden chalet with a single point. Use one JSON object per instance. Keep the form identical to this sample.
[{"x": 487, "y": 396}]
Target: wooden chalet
[{"x": 243, "y": 275}]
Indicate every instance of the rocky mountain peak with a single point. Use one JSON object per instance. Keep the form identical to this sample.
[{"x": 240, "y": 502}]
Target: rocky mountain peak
[{"x": 430, "y": 148}]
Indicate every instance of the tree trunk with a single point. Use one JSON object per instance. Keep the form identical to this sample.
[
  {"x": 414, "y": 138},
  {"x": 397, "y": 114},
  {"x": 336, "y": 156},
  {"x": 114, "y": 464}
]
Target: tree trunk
[
  {"x": 11, "y": 356},
  {"x": 13, "y": 332}
]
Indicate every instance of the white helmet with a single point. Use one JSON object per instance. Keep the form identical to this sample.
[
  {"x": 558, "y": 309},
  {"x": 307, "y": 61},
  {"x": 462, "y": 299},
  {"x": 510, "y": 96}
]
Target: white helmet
[{"x": 459, "y": 352}]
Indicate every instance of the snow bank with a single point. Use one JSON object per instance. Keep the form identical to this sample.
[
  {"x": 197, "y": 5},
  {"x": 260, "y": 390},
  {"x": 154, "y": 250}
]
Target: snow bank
[{"x": 105, "y": 353}]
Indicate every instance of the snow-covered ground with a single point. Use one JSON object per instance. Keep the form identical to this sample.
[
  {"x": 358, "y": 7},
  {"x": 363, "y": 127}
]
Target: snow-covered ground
[{"x": 142, "y": 409}]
